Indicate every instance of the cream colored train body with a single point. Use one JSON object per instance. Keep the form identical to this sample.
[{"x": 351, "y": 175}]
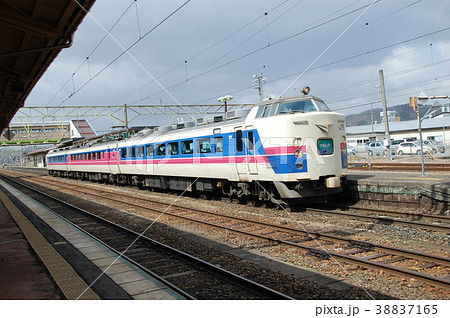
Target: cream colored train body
[{"x": 279, "y": 150}]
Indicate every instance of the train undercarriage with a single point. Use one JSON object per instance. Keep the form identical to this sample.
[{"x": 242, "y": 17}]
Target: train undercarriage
[{"x": 285, "y": 193}]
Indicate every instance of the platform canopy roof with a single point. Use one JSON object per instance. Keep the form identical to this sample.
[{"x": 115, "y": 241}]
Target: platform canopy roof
[{"x": 32, "y": 33}]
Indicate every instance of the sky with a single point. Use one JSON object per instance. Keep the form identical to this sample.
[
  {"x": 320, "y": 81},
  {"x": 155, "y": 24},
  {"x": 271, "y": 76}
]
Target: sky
[{"x": 182, "y": 52}]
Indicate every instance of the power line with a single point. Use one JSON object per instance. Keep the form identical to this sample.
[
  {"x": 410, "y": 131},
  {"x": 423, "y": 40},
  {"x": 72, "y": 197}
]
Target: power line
[
  {"x": 126, "y": 50},
  {"x": 210, "y": 47},
  {"x": 92, "y": 52},
  {"x": 302, "y": 32}
]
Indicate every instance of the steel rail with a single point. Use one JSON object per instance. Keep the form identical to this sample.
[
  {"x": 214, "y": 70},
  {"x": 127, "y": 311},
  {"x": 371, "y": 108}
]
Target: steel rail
[
  {"x": 236, "y": 279},
  {"x": 314, "y": 235},
  {"x": 380, "y": 220},
  {"x": 430, "y": 217},
  {"x": 363, "y": 245},
  {"x": 383, "y": 220}
]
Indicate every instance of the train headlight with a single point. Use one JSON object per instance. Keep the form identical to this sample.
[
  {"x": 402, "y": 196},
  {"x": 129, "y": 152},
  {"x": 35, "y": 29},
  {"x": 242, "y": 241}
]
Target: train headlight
[
  {"x": 305, "y": 90},
  {"x": 298, "y": 153},
  {"x": 299, "y": 166}
]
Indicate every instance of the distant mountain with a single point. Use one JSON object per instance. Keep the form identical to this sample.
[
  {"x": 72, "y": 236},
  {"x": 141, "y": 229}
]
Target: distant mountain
[{"x": 404, "y": 113}]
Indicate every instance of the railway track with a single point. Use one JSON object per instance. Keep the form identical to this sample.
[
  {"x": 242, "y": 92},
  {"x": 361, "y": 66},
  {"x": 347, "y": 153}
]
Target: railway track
[
  {"x": 397, "y": 261},
  {"x": 188, "y": 275},
  {"x": 439, "y": 223},
  {"x": 400, "y": 166}
]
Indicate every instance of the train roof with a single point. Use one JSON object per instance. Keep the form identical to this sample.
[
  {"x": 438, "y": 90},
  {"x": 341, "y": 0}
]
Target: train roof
[
  {"x": 287, "y": 98},
  {"x": 232, "y": 117}
]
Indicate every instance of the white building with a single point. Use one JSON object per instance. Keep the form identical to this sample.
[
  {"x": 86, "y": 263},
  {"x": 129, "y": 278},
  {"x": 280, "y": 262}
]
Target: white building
[{"x": 437, "y": 128}]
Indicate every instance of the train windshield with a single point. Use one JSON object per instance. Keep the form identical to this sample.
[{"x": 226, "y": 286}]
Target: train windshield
[
  {"x": 302, "y": 106},
  {"x": 299, "y": 106},
  {"x": 321, "y": 106}
]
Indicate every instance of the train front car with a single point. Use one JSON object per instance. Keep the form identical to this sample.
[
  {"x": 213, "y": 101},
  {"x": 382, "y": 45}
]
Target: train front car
[{"x": 304, "y": 144}]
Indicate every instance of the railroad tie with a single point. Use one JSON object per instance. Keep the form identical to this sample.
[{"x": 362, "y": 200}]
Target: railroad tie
[
  {"x": 395, "y": 259},
  {"x": 374, "y": 256}
]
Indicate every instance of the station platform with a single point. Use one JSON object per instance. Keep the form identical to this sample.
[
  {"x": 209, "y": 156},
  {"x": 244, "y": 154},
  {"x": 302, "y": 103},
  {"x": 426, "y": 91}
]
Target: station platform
[
  {"x": 44, "y": 257},
  {"x": 429, "y": 180},
  {"x": 399, "y": 189}
]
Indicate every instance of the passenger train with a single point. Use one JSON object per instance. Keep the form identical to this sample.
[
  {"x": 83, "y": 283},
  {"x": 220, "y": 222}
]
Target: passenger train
[{"x": 280, "y": 150}]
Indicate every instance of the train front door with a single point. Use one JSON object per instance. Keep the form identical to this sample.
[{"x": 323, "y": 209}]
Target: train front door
[
  {"x": 240, "y": 154},
  {"x": 251, "y": 153},
  {"x": 245, "y": 153}
]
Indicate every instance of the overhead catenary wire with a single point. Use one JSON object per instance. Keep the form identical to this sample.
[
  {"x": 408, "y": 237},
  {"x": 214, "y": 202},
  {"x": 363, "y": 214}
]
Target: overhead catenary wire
[
  {"x": 284, "y": 39},
  {"x": 210, "y": 47},
  {"x": 334, "y": 63},
  {"x": 202, "y": 73},
  {"x": 221, "y": 83},
  {"x": 126, "y": 50},
  {"x": 86, "y": 60}
]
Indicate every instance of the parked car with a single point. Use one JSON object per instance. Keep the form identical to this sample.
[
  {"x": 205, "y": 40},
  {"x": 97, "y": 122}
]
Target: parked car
[
  {"x": 351, "y": 149},
  {"x": 436, "y": 147},
  {"x": 411, "y": 148},
  {"x": 376, "y": 148},
  {"x": 394, "y": 145}
]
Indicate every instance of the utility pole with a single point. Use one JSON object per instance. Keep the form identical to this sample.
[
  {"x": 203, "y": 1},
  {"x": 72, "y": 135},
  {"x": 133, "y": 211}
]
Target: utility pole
[
  {"x": 258, "y": 81},
  {"x": 125, "y": 115},
  {"x": 419, "y": 123},
  {"x": 371, "y": 116},
  {"x": 414, "y": 103},
  {"x": 386, "y": 119}
]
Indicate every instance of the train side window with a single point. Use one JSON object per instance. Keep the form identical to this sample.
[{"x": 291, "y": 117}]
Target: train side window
[
  {"x": 173, "y": 148},
  {"x": 273, "y": 110},
  {"x": 218, "y": 141},
  {"x": 239, "y": 141},
  {"x": 204, "y": 145},
  {"x": 266, "y": 110},
  {"x": 259, "y": 112},
  {"x": 250, "y": 140},
  {"x": 150, "y": 150},
  {"x": 161, "y": 150},
  {"x": 123, "y": 153},
  {"x": 140, "y": 151},
  {"x": 131, "y": 152},
  {"x": 89, "y": 156},
  {"x": 187, "y": 147}
]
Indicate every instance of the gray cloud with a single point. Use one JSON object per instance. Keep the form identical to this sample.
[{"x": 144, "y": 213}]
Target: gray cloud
[{"x": 251, "y": 40}]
